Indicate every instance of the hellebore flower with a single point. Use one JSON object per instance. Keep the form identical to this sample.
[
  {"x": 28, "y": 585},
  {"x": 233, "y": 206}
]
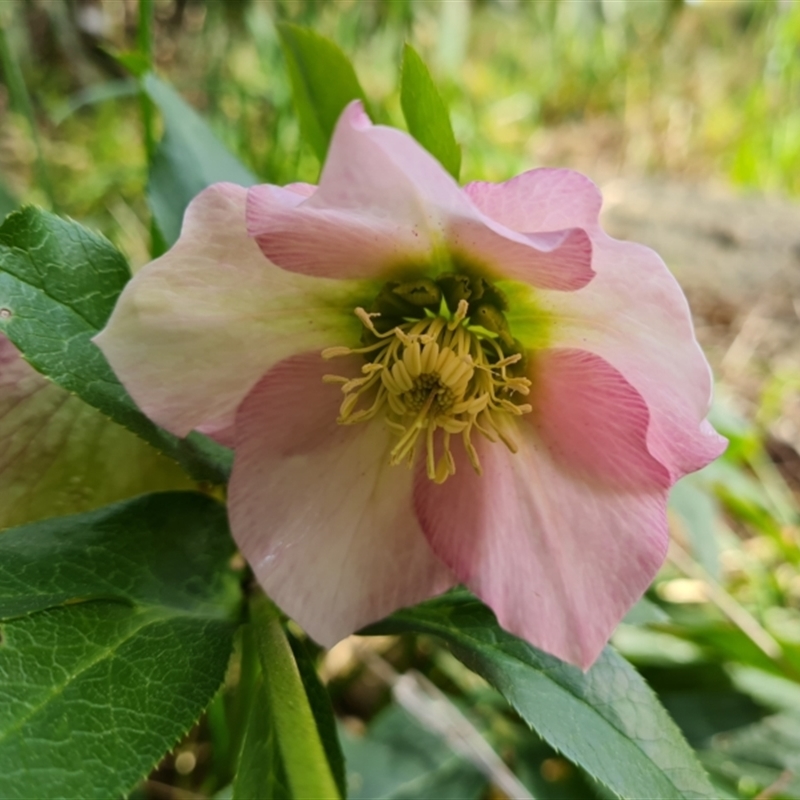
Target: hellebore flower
[{"x": 427, "y": 385}]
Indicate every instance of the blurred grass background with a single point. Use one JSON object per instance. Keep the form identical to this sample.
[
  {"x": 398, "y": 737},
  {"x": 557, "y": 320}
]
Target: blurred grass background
[
  {"x": 708, "y": 90},
  {"x": 701, "y": 92}
]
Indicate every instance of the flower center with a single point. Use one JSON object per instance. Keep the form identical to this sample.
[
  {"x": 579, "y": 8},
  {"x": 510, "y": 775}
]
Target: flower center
[{"x": 438, "y": 359}]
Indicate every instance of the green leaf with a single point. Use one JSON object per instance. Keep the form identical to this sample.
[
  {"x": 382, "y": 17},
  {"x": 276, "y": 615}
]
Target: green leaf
[
  {"x": 61, "y": 456},
  {"x": 188, "y": 159},
  {"x": 323, "y": 83},
  {"x": 58, "y": 285},
  {"x": 260, "y": 774},
  {"x": 321, "y": 707},
  {"x": 118, "y": 625},
  {"x": 7, "y": 201},
  {"x": 398, "y": 758},
  {"x": 308, "y": 773},
  {"x": 607, "y": 721},
  {"x": 426, "y": 114},
  {"x": 758, "y": 756},
  {"x": 699, "y": 513}
]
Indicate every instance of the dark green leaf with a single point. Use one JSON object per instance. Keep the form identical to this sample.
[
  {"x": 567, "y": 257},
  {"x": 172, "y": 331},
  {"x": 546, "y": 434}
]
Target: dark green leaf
[
  {"x": 323, "y": 83},
  {"x": 397, "y": 758},
  {"x": 321, "y": 708},
  {"x": 118, "y": 628},
  {"x": 188, "y": 159},
  {"x": 426, "y": 114},
  {"x": 607, "y": 721},
  {"x": 260, "y": 774},
  {"x": 58, "y": 285}
]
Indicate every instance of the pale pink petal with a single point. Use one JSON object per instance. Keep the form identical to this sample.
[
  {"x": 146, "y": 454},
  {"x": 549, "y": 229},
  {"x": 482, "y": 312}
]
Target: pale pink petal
[
  {"x": 563, "y": 537},
  {"x": 558, "y": 558},
  {"x": 303, "y": 189},
  {"x": 559, "y": 260},
  {"x": 365, "y": 216},
  {"x": 195, "y": 330},
  {"x": 331, "y": 242},
  {"x": 633, "y": 314},
  {"x": 636, "y": 318},
  {"x": 384, "y": 203},
  {"x": 543, "y": 199},
  {"x": 592, "y": 420},
  {"x": 323, "y": 519}
]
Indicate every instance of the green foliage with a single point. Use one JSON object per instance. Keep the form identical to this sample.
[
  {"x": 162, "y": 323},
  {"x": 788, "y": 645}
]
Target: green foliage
[
  {"x": 58, "y": 285},
  {"x": 320, "y": 703},
  {"x": 260, "y": 774},
  {"x": 55, "y": 451},
  {"x": 627, "y": 741},
  {"x": 706, "y": 89},
  {"x": 397, "y": 758},
  {"x": 302, "y": 752},
  {"x": 426, "y": 114},
  {"x": 117, "y": 627},
  {"x": 188, "y": 159},
  {"x": 323, "y": 83}
]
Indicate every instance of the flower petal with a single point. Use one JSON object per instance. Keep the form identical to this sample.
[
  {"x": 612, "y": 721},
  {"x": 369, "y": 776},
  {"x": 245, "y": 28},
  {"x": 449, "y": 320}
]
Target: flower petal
[
  {"x": 384, "y": 202},
  {"x": 323, "y": 519},
  {"x": 559, "y": 559},
  {"x": 636, "y": 318},
  {"x": 592, "y": 420},
  {"x": 543, "y": 199},
  {"x": 195, "y": 329},
  {"x": 633, "y": 314}
]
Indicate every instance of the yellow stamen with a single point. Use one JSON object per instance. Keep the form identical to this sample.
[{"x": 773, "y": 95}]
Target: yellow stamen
[{"x": 433, "y": 374}]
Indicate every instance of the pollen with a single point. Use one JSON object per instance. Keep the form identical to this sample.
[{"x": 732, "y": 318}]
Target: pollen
[{"x": 433, "y": 378}]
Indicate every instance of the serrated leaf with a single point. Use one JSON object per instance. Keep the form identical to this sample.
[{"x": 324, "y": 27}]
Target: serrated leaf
[
  {"x": 58, "y": 285},
  {"x": 60, "y": 456},
  {"x": 308, "y": 773},
  {"x": 426, "y": 114},
  {"x": 323, "y": 83},
  {"x": 607, "y": 720},
  {"x": 118, "y": 625},
  {"x": 188, "y": 159}
]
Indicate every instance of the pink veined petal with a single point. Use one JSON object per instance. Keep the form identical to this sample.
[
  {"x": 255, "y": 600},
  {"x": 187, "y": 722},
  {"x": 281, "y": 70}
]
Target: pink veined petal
[
  {"x": 558, "y": 560},
  {"x": 325, "y": 522},
  {"x": 385, "y": 203},
  {"x": 544, "y": 199},
  {"x": 633, "y": 314},
  {"x": 331, "y": 242},
  {"x": 303, "y": 189},
  {"x": 637, "y": 319},
  {"x": 592, "y": 420},
  {"x": 560, "y": 260},
  {"x": 195, "y": 329},
  {"x": 365, "y": 216},
  {"x": 561, "y": 538}
]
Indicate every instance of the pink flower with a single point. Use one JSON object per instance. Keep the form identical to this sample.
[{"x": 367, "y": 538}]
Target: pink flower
[{"x": 427, "y": 385}]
